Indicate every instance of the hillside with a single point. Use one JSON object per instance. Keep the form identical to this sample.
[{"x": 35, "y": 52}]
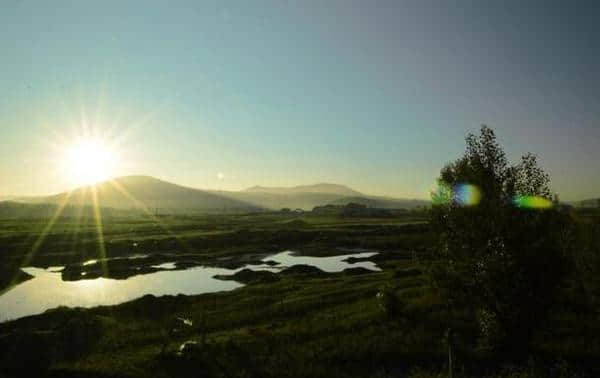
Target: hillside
[
  {"x": 276, "y": 201},
  {"x": 308, "y": 196},
  {"x": 137, "y": 192},
  {"x": 308, "y": 200}
]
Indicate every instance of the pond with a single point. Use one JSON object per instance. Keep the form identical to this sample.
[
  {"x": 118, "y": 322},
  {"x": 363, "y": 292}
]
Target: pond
[{"x": 47, "y": 290}]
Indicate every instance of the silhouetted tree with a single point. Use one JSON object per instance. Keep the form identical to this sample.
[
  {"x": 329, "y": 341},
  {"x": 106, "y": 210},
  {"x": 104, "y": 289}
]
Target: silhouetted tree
[{"x": 500, "y": 260}]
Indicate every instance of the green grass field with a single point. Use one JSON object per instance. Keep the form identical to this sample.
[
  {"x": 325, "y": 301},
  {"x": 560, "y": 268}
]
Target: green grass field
[{"x": 299, "y": 325}]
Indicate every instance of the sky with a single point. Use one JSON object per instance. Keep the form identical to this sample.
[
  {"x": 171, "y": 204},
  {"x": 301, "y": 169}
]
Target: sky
[{"x": 377, "y": 95}]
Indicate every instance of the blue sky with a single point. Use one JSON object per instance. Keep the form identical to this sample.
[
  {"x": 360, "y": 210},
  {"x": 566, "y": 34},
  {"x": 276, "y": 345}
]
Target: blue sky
[{"x": 229, "y": 94}]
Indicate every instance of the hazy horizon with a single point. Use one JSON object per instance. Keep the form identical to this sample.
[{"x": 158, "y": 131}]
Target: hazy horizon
[
  {"x": 74, "y": 187},
  {"x": 228, "y": 95}
]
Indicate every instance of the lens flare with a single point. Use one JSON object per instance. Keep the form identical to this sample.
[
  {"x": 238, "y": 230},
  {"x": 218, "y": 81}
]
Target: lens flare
[
  {"x": 532, "y": 202},
  {"x": 467, "y": 194},
  {"x": 462, "y": 194},
  {"x": 442, "y": 194}
]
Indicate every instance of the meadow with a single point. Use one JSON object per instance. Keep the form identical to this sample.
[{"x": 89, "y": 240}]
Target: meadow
[{"x": 349, "y": 324}]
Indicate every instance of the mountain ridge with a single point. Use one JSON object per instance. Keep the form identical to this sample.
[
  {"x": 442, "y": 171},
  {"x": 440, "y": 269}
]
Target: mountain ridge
[
  {"x": 148, "y": 193},
  {"x": 322, "y": 187}
]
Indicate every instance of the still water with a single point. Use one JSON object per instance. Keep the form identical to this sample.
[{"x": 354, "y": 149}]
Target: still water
[{"x": 47, "y": 290}]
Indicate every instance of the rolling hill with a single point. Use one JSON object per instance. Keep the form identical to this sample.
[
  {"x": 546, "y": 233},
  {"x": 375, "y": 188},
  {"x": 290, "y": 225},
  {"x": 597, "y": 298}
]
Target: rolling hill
[
  {"x": 277, "y": 201},
  {"x": 141, "y": 193},
  {"x": 306, "y": 197}
]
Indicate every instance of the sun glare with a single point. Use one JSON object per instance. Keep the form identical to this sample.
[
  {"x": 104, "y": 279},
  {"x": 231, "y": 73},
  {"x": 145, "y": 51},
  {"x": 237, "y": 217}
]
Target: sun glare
[{"x": 89, "y": 161}]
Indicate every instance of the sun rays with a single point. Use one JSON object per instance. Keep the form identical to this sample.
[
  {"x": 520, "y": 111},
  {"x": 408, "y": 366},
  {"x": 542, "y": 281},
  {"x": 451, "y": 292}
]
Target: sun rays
[
  {"x": 42, "y": 236},
  {"x": 89, "y": 161},
  {"x": 141, "y": 206},
  {"x": 86, "y": 205},
  {"x": 99, "y": 230},
  {"x": 88, "y": 154}
]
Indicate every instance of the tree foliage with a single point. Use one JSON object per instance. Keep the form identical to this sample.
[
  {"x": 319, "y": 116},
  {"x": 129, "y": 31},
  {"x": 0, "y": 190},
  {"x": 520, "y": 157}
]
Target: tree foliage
[{"x": 501, "y": 261}]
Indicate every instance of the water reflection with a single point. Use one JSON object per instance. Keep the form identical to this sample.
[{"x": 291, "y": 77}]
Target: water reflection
[
  {"x": 167, "y": 265},
  {"x": 327, "y": 264},
  {"x": 47, "y": 290}
]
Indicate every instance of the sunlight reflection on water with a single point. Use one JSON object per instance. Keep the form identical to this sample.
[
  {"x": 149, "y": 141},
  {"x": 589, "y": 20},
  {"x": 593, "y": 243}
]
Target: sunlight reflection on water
[{"x": 47, "y": 289}]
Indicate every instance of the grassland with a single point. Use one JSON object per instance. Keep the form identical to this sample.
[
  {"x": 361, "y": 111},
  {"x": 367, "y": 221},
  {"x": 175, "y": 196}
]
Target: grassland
[{"x": 380, "y": 324}]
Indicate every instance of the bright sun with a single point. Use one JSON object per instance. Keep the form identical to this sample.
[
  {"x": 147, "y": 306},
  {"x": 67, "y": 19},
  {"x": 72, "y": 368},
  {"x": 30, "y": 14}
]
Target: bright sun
[{"x": 89, "y": 161}]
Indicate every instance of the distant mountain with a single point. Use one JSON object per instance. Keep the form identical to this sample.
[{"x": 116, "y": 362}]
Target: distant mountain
[
  {"x": 306, "y": 197},
  {"x": 139, "y": 192},
  {"x": 322, "y": 188},
  {"x": 277, "y": 201},
  {"x": 144, "y": 193}
]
